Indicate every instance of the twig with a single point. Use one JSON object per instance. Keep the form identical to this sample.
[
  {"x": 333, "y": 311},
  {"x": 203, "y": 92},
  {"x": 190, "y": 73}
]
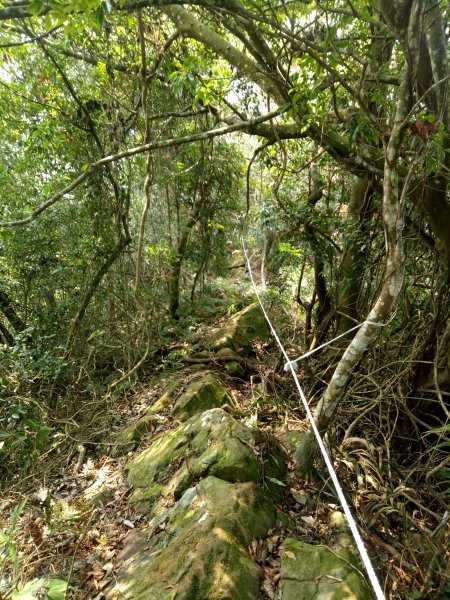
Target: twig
[{"x": 80, "y": 539}]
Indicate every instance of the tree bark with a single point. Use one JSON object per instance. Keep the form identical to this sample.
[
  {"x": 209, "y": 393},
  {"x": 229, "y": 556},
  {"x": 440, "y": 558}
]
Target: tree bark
[
  {"x": 393, "y": 222},
  {"x": 175, "y": 275},
  {"x": 352, "y": 267},
  {"x": 7, "y": 308},
  {"x": 6, "y": 335},
  {"x": 115, "y": 253}
]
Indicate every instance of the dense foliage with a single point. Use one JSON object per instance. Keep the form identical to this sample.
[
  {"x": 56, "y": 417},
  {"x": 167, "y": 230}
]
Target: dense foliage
[{"x": 136, "y": 136}]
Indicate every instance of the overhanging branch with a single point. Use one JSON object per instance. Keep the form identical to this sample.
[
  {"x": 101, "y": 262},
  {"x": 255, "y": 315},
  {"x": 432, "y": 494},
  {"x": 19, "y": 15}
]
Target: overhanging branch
[{"x": 106, "y": 160}]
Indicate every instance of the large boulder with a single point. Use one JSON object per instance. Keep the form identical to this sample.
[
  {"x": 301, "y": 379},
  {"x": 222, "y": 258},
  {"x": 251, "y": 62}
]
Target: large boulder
[
  {"x": 204, "y": 391},
  {"x": 198, "y": 549},
  {"x": 210, "y": 443},
  {"x": 167, "y": 399},
  {"x": 241, "y": 330},
  {"x": 130, "y": 437},
  {"x": 319, "y": 573},
  {"x": 232, "y": 362}
]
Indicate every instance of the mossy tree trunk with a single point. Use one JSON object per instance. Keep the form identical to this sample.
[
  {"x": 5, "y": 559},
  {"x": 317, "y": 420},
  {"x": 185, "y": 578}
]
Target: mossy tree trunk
[
  {"x": 356, "y": 255},
  {"x": 201, "y": 198},
  {"x": 7, "y": 308}
]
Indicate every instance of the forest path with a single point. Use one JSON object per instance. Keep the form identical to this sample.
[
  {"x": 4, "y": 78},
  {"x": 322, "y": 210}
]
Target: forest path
[
  {"x": 196, "y": 498},
  {"x": 210, "y": 487}
]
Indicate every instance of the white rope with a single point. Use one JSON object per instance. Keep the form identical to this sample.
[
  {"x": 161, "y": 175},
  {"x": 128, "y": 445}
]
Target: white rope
[
  {"x": 351, "y": 521},
  {"x": 293, "y": 363}
]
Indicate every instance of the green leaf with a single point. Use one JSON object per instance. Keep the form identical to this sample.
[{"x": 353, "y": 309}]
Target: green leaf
[
  {"x": 35, "y": 7},
  {"x": 48, "y": 23},
  {"x": 16, "y": 512},
  {"x": 57, "y": 589},
  {"x": 28, "y": 590},
  {"x": 276, "y": 481}
]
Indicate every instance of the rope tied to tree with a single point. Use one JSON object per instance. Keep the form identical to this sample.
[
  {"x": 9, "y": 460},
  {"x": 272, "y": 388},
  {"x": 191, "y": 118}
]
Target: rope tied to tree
[{"x": 293, "y": 363}]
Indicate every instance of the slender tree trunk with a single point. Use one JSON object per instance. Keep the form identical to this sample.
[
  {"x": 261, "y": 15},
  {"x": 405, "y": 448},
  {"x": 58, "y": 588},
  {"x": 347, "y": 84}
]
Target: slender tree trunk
[
  {"x": 200, "y": 199},
  {"x": 268, "y": 242},
  {"x": 320, "y": 282},
  {"x": 5, "y": 335},
  {"x": 354, "y": 260},
  {"x": 96, "y": 280},
  {"x": 7, "y": 308},
  {"x": 174, "y": 282}
]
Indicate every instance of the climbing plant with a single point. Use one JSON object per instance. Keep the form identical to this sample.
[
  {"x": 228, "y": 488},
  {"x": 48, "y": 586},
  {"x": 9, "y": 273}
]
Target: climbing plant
[{"x": 347, "y": 109}]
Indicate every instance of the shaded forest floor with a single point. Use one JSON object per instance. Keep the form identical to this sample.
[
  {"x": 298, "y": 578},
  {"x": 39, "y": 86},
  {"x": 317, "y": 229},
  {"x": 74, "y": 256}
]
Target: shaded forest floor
[{"x": 76, "y": 516}]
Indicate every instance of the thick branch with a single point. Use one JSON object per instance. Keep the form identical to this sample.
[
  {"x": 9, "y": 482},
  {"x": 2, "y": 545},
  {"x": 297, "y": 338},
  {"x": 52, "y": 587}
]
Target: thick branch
[
  {"x": 196, "y": 137},
  {"x": 189, "y": 26}
]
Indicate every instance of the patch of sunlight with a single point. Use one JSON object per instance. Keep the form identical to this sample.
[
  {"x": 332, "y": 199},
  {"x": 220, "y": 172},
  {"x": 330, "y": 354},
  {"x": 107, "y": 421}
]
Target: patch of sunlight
[
  {"x": 100, "y": 478},
  {"x": 223, "y": 535},
  {"x": 203, "y": 517},
  {"x": 221, "y": 578}
]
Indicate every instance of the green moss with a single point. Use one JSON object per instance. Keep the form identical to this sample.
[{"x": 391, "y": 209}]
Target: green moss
[
  {"x": 285, "y": 521},
  {"x": 195, "y": 368},
  {"x": 197, "y": 549},
  {"x": 316, "y": 573},
  {"x": 202, "y": 393},
  {"x": 234, "y": 369},
  {"x": 168, "y": 396},
  {"x": 144, "y": 499},
  {"x": 143, "y": 469},
  {"x": 235, "y": 462},
  {"x": 239, "y": 333},
  {"x": 210, "y": 443},
  {"x": 129, "y": 438}
]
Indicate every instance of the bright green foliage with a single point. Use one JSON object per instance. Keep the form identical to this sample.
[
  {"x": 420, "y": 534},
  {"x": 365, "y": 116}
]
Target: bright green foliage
[
  {"x": 55, "y": 589},
  {"x": 86, "y": 79},
  {"x": 9, "y": 559}
]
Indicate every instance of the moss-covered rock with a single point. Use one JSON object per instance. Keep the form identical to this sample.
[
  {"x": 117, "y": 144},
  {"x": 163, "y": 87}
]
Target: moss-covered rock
[
  {"x": 204, "y": 391},
  {"x": 144, "y": 469},
  {"x": 241, "y": 330},
  {"x": 291, "y": 439},
  {"x": 233, "y": 368},
  {"x": 130, "y": 437},
  {"x": 167, "y": 398},
  {"x": 197, "y": 550},
  {"x": 318, "y": 573},
  {"x": 211, "y": 443},
  {"x": 231, "y": 362}
]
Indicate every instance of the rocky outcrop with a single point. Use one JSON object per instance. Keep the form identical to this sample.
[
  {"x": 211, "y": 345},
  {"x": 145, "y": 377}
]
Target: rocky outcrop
[
  {"x": 242, "y": 330},
  {"x": 210, "y": 443},
  {"x": 202, "y": 487},
  {"x": 198, "y": 548},
  {"x": 204, "y": 391},
  {"x": 319, "y": 573},
  {"x": 130, "y": 437}
]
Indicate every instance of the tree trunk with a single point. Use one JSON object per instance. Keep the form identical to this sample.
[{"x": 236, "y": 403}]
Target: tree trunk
[
  {"x": 353, "y": 263},
  {"x": 393, "y": 222},
  {"x": 174, "y": 282},
  {"x": 5, "y": 335},
  {"x": 96, "y": 280},
  {"x": 320, "y": 283},
  {"x": 6, "y": 306}
]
